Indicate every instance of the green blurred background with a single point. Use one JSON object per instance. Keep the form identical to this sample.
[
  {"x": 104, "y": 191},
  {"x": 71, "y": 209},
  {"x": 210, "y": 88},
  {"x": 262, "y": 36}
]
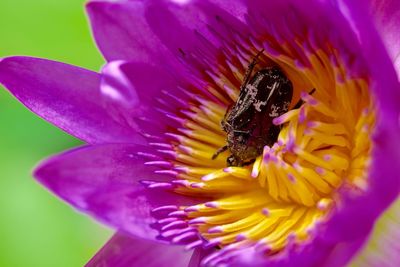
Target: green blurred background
[{"x": 36, "y": 228}]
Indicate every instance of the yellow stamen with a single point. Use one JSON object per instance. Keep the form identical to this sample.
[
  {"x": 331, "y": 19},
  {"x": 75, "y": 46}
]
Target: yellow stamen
[{"x": 292, "y": 186}]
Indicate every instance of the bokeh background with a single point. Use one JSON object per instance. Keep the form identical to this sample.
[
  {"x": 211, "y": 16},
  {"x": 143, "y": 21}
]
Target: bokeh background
[{"x": 36, "y": 228}]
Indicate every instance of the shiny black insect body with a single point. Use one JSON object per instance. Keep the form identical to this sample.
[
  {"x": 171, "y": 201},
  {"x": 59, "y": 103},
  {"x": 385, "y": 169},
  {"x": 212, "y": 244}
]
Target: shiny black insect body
[{"x": 248, "y": 123}]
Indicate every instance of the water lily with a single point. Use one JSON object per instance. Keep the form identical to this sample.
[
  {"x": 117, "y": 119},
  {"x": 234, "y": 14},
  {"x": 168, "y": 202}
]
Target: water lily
[{"x": 151, "y": 120}]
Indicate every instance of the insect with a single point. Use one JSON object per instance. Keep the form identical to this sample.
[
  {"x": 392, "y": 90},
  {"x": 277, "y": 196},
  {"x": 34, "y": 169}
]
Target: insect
[{"x": 248, "y": 122}]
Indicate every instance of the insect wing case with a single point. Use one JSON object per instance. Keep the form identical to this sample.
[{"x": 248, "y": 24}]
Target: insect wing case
[{"x": 249, "y": 121}]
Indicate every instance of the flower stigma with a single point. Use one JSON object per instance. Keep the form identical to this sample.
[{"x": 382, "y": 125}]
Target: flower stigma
[{"x": 280, "y": 199}]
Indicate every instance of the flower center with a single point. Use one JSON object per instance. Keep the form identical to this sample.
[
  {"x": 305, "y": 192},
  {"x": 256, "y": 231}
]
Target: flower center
[{"x": 291, "y": 188}]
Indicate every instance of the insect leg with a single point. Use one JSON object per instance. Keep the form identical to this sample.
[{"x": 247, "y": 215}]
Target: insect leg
[
  {"x": 298, "y": 104},
  {"x": 233, "y": 161},
  {"x": 250, "y": 69},
  {"x": 219, "y": 151},
  {"x": 248, "y": 162},
  {"x": 241, "y": 132}
]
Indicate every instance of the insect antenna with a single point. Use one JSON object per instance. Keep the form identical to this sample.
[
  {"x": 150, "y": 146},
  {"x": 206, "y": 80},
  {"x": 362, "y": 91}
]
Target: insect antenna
[
  {"x": 250, "y": 69},
  {"x": 219, "y": 151},
  {"x": 300, "y": 102}
]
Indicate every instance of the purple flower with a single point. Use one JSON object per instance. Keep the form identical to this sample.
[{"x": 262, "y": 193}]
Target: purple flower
[{"x": 151, "y": 120}]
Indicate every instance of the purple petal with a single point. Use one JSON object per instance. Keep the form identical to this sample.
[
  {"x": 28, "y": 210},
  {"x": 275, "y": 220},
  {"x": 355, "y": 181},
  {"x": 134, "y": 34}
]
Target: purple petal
[
  {"x": 122, "y": 32},
  {"x": 387, "y": 20},
  {"x": 64, "y": 95},
  {"x": 136, "y": 84},
  {"x": 198, "y": 255},
  {"x": 147, "y": 41},
  {"x": 386, "y": 88},
  {"x": 132, "y": 92},
  {"x": 161, "y": 31},
  {"x": 237, "y": 9},
  {"x": 124, "y": 251},
  {"x": 103, "y": 181},
  {"x": 119, "y": 96}
]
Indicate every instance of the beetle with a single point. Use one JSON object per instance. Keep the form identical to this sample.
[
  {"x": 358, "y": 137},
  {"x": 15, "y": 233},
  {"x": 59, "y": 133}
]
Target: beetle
[{"x": 248, "y": 122}]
